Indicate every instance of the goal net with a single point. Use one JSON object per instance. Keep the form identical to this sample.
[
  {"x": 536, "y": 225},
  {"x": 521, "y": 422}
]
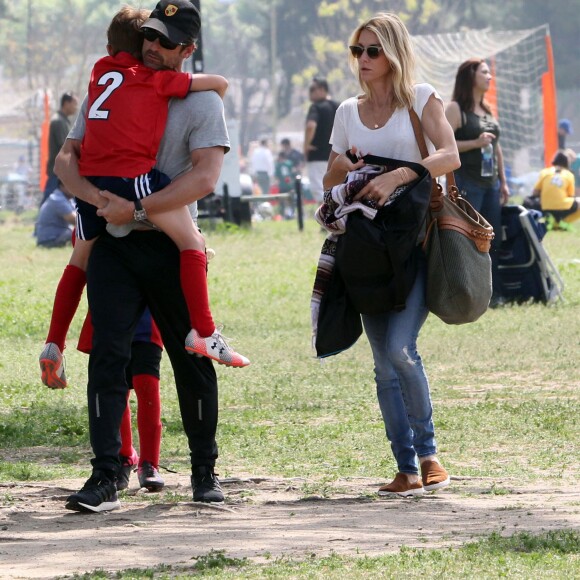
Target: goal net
[{"x": 519, "y": 61}]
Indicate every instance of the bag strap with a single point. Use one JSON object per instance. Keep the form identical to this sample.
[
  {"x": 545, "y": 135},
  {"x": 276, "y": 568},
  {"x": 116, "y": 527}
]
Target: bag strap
[{"x": 436, "y": 189}]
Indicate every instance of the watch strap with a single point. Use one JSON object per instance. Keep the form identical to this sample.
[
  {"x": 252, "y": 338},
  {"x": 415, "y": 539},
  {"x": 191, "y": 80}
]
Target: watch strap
[{"x": 139, "y": 214}]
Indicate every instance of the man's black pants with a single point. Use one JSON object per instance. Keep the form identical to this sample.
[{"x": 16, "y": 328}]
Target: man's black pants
[{"x": 123, "y": 276}]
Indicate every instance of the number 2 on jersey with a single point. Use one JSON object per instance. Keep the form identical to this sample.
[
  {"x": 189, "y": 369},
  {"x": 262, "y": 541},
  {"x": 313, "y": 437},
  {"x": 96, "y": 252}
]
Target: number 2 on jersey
[{"x": 116, "y": 78}]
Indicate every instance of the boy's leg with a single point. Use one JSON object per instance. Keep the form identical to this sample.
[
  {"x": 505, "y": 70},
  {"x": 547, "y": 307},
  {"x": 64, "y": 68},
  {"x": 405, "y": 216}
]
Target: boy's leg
[
  {"x": 193, "y": 266},
  {"x": 126, "y": 431},
  {"x": 204, "y": 339},
  {"x": 144, "y": 369},
  {"x": 69, "y": 292},
  {"x": 148, "y": 417},
  {"x": 127, "y": 455},
  {"x": 66, "y": 301}
]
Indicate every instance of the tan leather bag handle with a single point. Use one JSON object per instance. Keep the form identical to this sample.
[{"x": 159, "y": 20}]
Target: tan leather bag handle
[{"x": 436, "y": 189}]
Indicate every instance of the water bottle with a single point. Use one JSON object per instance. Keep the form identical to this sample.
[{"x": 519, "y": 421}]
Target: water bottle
[{"x": 487, "y": 160}]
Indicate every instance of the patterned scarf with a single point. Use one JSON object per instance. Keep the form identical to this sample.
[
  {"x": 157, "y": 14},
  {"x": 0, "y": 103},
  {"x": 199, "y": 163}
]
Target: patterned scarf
[{"x": 332, "y": 215}]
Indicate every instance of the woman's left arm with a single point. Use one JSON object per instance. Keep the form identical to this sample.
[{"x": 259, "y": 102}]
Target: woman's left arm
[
  {"x": 503, "y": 186},
  {"x": 445, "y": 158}
]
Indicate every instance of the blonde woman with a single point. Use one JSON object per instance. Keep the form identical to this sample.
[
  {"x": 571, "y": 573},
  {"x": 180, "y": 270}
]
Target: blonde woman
[{"x": 377, "y": 122}]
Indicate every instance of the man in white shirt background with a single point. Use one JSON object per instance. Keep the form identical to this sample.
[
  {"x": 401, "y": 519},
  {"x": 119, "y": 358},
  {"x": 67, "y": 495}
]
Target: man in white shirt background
[{"x": 263, "y": 166}]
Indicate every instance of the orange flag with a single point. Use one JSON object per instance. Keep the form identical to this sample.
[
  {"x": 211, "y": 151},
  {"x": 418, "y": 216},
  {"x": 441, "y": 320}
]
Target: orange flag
[
  {"x": 44, "y": 142},
  {"x": 550, "y": 106}
]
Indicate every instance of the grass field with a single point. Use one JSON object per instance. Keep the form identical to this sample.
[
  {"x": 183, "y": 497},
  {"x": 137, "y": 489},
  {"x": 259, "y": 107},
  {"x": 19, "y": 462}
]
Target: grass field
[{"x": 505, "y": 390}]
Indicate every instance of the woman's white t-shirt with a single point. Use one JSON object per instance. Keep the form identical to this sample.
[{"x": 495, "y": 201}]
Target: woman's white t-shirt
[{"x": 394, "y": 140}]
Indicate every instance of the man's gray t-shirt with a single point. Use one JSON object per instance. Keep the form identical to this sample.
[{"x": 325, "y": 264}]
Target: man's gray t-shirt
[{"x": 196, "y": 122}]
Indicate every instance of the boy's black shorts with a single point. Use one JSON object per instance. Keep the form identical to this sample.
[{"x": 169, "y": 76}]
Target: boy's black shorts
[{"x": 89, "y": 225}]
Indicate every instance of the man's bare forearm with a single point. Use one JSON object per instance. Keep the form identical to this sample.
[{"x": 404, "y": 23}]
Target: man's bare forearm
[{"x": 190, "y": 186}]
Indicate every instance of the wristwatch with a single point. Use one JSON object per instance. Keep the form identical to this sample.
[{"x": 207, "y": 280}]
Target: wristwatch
[{"x": 139, "y": 214}]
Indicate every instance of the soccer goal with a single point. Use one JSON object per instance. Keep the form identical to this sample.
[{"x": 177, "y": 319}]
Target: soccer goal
[{"x": 522, "y": 95}]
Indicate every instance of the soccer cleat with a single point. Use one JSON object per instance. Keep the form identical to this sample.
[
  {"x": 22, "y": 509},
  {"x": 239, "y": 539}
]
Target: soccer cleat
[
  {"x": 52, "y": 367},
  {"x": 98, "y": 494},
  {"x": 128, "y": 464},
  {"x": 400, "y": 486},
  {"x": 205, "y": 484},
  {"x": 214, "y": 347},
  {"x": 149, "y": 477}
]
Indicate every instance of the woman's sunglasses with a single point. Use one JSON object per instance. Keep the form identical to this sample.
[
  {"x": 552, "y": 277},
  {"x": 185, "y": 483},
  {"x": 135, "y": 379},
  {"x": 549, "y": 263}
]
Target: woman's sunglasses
[
  {"x": 152, "y": 35},
  {"x": 373, "y": 51}
]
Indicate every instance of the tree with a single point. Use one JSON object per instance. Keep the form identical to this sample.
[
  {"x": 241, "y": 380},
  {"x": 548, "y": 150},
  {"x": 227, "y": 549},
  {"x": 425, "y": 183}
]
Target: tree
[
  {"x": 63, "y": 40},
  {"x": 4, "y": 13},
  {"x": 66, "y": 36}
]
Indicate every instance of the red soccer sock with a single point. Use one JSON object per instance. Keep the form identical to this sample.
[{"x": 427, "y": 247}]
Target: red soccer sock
[
  {"x": 126, "y": 432},
  {"x": 66, "y": 301},
  {"x": 194, "y": 284},
  {"x": 148, "y": 417}
]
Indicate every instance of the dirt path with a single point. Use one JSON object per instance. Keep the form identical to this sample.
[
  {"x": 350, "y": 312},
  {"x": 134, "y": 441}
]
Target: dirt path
[{"x": 261, "y": 518}]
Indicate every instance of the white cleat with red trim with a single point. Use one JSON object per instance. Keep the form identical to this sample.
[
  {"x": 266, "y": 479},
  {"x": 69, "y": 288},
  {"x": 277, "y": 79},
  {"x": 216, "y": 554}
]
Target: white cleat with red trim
[{"x": 214, "y": 347}]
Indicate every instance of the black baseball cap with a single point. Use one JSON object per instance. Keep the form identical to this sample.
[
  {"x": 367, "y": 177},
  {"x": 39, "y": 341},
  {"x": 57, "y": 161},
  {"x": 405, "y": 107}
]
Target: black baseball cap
[{"x": 178, "y": 20}]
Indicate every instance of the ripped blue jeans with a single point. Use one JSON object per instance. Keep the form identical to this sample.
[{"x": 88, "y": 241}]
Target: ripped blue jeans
[{"x": 402, "y": 385}]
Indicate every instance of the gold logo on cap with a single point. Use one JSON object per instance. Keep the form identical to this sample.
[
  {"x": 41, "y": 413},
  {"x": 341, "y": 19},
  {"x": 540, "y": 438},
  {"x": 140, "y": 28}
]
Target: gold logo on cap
[{"x": 170, "y": 10}]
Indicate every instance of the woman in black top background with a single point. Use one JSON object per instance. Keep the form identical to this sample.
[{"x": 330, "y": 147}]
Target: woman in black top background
[{"x": 481, "y": 177}]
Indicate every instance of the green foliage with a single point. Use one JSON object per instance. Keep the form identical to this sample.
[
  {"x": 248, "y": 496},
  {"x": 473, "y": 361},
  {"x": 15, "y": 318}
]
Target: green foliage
[
  {"x": 217, "y": 559},
  {"x": 505, "y": 392},
  {"x": 548, "y": 555},
  {"x": 54, "y": 46},
  {"x": 43, "y": 424},
  {"x": 504, "y": 380},
  {"x": 59, "y": 37}
]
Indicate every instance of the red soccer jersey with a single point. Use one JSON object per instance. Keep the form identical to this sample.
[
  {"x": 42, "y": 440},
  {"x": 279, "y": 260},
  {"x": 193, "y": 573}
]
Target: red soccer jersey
[{"x": 126, "y": 115}]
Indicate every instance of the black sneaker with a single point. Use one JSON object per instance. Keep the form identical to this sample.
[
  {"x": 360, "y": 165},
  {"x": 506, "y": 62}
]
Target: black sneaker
[
  {"x": 205, "y": 484},
  {"x": 124, "y": 472},
  {"x": 149, "y": 477},
  {"x": 99, "y": 494}
]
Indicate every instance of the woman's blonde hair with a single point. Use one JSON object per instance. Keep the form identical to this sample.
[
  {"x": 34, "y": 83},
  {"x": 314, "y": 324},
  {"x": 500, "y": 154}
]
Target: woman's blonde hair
[{"x": 395, "y": 41}]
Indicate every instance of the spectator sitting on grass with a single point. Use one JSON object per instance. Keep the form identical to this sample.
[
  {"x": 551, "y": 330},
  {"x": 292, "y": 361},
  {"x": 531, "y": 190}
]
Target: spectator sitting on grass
[
  {"x": 555, "y": 188},
  {"x": 56, "y": 219}
]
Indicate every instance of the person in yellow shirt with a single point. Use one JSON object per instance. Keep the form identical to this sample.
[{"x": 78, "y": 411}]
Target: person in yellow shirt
[{"x": 555, "y": 188}]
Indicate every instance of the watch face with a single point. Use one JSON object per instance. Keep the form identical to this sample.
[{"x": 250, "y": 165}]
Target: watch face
[{"x": 140, "y": 215}]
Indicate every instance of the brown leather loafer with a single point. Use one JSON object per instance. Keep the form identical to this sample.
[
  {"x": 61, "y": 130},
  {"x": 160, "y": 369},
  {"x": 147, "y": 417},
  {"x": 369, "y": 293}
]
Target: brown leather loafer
[
  {"x": 434, "y": 475},
  {"x": 401, "y": 486}
]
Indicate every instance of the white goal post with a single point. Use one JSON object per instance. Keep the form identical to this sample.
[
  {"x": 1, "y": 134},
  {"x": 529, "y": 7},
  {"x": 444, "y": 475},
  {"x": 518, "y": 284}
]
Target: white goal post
[{"x": 520, "y": 62}]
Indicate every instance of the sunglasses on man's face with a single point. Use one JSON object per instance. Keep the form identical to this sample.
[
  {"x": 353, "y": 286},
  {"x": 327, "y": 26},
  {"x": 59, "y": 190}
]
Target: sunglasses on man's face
[
  {"x": 373, "y": 51},
  {"x": 152, "y": 35}
]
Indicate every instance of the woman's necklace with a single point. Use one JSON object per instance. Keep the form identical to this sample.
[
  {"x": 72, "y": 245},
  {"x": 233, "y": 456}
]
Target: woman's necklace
[{"x": 385, "y": 112}]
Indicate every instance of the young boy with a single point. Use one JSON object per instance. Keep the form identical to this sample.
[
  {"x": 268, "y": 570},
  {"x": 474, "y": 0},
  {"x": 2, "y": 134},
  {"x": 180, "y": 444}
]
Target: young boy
[{"x": 126, "y": 116}]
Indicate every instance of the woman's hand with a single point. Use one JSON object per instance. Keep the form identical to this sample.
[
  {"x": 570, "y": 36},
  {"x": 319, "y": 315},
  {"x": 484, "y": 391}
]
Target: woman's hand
[
  {"x": 344, "y": 164},
  {"x": 504, "y": 193},
  {"x": 484, "y": 139},
  {"x": 339, "y": 166},
  {"x": 381, "y": 187}
]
